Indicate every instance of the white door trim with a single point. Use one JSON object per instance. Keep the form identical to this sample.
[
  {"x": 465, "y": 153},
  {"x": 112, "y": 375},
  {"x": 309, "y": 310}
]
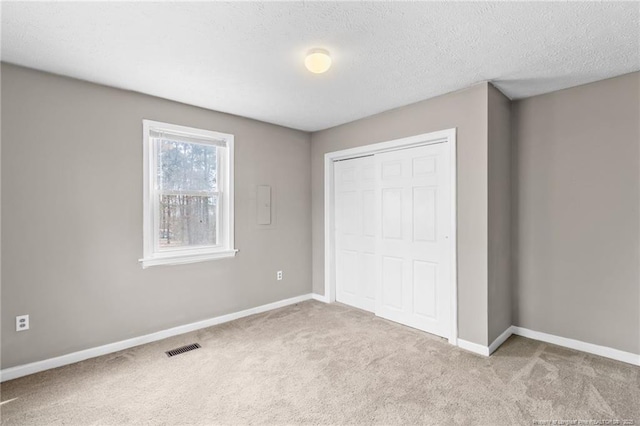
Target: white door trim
[{"x": 444, "y": 136}]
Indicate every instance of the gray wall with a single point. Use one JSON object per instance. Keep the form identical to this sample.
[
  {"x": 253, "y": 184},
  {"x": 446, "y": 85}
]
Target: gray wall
[
  {"x": 500, "y": 280},
  {"x": 72, "y": 218},
  {"x": 577, "y": 226},
  {"x": 71, "y": 176},
  {"x": 466, "y": 110}
]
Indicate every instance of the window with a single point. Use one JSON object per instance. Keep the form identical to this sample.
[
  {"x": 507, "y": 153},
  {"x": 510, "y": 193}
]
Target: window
[{"x": 188, "y": 194}]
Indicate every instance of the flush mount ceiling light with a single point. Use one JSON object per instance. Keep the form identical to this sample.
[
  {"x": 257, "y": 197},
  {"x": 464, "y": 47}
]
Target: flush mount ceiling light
[{"x": 318, "y": 61}]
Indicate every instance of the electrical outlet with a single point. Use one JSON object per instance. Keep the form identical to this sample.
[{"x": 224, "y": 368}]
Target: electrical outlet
[
  {"x": 22, "y": 322},
  {"x": 279, "y": 275}
]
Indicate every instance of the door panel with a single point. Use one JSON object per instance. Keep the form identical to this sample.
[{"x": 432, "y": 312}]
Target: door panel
[
  {"x": 347, "y": 269},
  {"x": 392, "y": 274},
  {"x": 424, "y": 214},
  {"x": 355, "y": 228},
  {"x": 392, "y": 213},
  {"x": 415, "y": 209},
  {"x": 392, "y": 247},
  {"x": 424, "y": 289},
  {"x": 424, "y": 166},
  {"x": 368, "y": 213},
  {"x": 368, "y": 274}
]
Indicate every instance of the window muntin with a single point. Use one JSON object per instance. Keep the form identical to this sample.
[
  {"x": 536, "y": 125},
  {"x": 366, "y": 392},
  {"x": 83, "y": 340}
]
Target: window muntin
[{"x": 188, "y": 194}]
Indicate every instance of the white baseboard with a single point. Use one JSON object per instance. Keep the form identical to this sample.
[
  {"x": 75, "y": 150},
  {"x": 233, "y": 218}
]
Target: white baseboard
[
  {"x": 485, "y": 350},
  {"x": 473, "y": 347},
  {"x": 35, "y": 367},
  {"x": 578, "y": 345},
  {"x": 319, "y": 298},
  {"x": 500, "y": 340},
  {"x": 591, "y": 348}
]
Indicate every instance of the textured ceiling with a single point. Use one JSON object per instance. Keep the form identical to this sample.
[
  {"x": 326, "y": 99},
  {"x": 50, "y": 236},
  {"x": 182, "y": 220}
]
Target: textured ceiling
[{"x": 247, "y": 58}]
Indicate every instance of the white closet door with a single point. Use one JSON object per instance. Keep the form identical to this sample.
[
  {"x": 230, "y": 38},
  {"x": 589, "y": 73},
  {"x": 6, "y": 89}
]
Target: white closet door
[
  {"x": 355, "y": 236},
  {"x": 413, "y": 244}
]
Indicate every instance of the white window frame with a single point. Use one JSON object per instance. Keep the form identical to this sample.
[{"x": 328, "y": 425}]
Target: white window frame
[{"x": 224, "y": 248}]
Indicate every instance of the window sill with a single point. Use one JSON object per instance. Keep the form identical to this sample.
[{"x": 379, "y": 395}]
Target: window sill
[{"x": 179, "y": 259}]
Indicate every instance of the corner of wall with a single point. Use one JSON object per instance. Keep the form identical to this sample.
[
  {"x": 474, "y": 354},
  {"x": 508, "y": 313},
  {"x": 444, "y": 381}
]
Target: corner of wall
[
  {"x": 515, "y": 208},
  {"x": 499, "y": 141}
]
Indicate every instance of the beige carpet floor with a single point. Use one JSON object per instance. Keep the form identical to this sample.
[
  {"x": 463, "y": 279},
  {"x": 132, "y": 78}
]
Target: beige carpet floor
[{"x": 313, "y": 363}]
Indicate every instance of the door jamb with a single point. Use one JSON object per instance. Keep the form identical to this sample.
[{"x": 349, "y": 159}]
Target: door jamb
[{"x": 444, "y": 136}]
